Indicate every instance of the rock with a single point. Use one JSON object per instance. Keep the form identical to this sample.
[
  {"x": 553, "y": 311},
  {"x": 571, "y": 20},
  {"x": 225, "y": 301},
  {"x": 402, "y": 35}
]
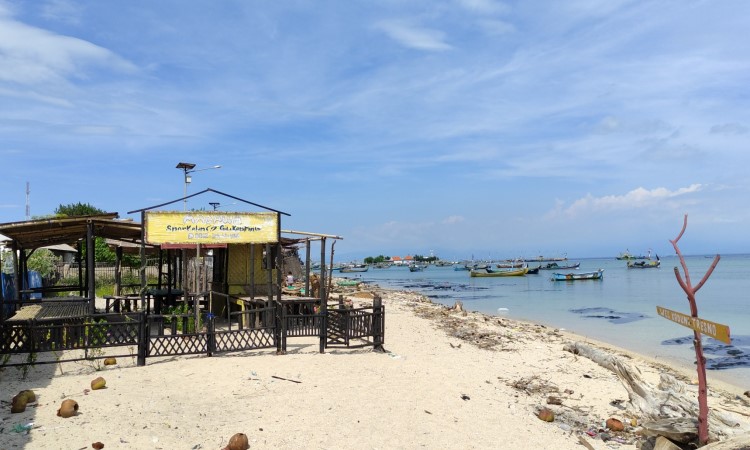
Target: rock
[
  {"x": 110, "y": 361},
  {"x": 69, "y": 408},
  {"x": 98, "y": 383},
  {"x": 552, "y": 400},
  {"x": 97, "y": 445},
  {"x": 747, "y": 393},
  {"x": 238, "y": 442},
  {"x": 614, "y": 424},
  {"x": 546, "y": 415}
]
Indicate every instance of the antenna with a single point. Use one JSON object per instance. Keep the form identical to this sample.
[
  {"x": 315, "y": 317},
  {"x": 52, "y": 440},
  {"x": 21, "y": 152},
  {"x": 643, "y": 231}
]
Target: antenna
[{"x": 28, "y": 206}]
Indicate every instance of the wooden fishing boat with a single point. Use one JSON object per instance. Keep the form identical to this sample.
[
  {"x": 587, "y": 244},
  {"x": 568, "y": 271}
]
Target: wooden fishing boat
[
  {"x": 533, "y": 271},
  {"x": 499, "y": 273},
  {"x": 555, "y": 266},
  {"x": 644, "y": 264},
  {"x": 571, "y": 276},
  {"x": 355, "y": 268},
  {"x": 417, "y": 267}
]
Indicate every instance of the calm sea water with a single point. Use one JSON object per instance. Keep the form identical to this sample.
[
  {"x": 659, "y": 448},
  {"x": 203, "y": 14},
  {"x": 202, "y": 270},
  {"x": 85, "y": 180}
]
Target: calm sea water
[{"x": 620, "y": 309}]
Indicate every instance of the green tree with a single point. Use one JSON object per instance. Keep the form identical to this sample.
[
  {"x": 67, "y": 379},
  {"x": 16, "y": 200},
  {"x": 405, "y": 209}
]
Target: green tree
[
  {"x": 77, "y": 210},
  {"x": 102, "y": 252},
  {"x": 44, "y": 262}
]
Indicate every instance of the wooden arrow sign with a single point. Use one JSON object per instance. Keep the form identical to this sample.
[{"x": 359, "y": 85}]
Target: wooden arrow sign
[{"x": 713, "y": 329}]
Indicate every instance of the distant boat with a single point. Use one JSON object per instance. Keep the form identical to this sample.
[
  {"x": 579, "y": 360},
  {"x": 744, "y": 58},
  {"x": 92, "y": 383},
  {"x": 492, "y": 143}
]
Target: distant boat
[
  {"x": 461, "y": 267},
  {"x": 644, "y": 264},
  {"x": 417, "y": 267},
  {"x": 626, "y": 255},
  {"x": 355, "y": 268},
  {"x": 555, "y": 266},
  {"x": 517, "y": 264},
  {"x": 596, "y": 275},
  {"x": 500, "y": 273}
]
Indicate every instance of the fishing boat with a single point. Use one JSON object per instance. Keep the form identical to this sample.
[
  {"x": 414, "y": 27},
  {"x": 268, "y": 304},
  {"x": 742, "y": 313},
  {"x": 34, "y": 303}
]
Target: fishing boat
[
  {"x": 461, "y": 267},
  {"x": 517, "y": 264},
  {"x": 644, "y": 264},
  {"x": 596, "y": 275},
  {"x": 417, "y": 267},
  {"x": 355, "y": 268},
  {"x": 344, "y": 283},
  {"x": 499, "y": 273},
  {"x": 626, "y": 255},
  {"x": 533, "y": 271},
  {"x": 555, "y": 266}
]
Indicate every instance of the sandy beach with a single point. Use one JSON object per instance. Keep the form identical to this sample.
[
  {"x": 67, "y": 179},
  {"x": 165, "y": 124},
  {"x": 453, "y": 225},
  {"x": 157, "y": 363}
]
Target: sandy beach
[{"x": 448, "y": 379}]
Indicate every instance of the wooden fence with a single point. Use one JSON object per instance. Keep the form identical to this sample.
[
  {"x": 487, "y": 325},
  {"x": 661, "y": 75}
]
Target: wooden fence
[{"x": 140, "y": 335}]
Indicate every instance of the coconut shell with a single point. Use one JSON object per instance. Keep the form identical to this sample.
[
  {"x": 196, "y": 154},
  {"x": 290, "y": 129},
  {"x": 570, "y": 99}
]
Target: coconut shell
[
  {"x": 18, "y": 404},
  {"x": 98, "y": 383},
  {"x": 614, "y": 424},
  {"x": 546, "y": 415},
  {"x": 69, "y": 408},
  {"x": 29, "y": 394},
  {"x": 110, "y": 361},
  {"x": 97, "y": 445},
  {"x": 238, "y": 442}
]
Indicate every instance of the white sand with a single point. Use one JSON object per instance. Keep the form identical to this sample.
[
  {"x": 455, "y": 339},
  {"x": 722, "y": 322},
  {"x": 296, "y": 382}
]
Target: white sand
[{"x": 430, "y": 390}]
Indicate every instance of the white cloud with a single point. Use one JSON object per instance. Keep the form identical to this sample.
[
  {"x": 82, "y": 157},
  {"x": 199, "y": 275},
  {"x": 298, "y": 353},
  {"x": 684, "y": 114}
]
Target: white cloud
[
  {"x": 485, "y": 6},
  {"x": 729, "y": 128},
  {"x": 414, "y": 37},
  {"x": 637, "y": 198},
  {"x": 30, "y": 55},
  {"x": 450, "y": 220}
]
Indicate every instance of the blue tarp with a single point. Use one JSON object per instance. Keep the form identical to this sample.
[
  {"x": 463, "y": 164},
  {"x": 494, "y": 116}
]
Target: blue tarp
[
  {"x": 8, "y": 291},
  {"x": 35, "y": 281}
]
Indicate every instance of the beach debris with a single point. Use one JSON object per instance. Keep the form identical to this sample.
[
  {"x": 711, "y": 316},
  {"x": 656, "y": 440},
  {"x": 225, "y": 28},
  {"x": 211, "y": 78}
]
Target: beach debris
[
  {"x": 19, "y": 402},
  {"x": 97, "y": 445},
  {"x": 585, "y": 443},
  {"x": 747, "y": 393},
  {"x": 546, "y": 415},
  {"x": 614, "y": 424},
  {"x": 455, "y": 346},
  {"x": 110, "y": 361},
  {"x": 69, "y": 408},
  {"x": 98, "y": 383},
  {"x": 465, "y": 397},
  {"x": 552, "y": 400},
  {"x": 458, "y": 306},
  {"x": 238, "y": 441},
  {"x": 22, "y": 428},
  {"x": 285, "y": 379},
  {"x": 675, "y": 429},
  {"x": 534, "y": 384}
]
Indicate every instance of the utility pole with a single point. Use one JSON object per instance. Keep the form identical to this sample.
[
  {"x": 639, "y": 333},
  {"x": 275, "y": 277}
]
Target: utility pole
[{"x": 28, "y": 206}]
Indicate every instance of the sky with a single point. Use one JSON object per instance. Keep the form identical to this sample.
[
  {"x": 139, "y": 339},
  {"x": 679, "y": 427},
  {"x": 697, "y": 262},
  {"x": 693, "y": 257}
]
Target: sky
[{"x": 492, "y": 129}]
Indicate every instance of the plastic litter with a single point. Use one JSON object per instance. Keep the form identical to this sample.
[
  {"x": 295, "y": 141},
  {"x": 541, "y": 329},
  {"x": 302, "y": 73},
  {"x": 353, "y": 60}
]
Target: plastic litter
[{"x": 22, "y": 428}]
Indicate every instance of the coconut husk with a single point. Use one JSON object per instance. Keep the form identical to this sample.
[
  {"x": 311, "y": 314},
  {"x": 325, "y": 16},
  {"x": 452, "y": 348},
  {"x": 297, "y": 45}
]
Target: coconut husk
[
  {"x": 238, "y": 442},
  {"x": 69, "y": 408}
]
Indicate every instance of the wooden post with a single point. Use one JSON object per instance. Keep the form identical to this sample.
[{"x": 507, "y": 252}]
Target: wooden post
[
  {"x": 378, "y": 338},
  {"x": 323, "y": 309},
  {"x": 307, "y": 268},
  {"x": 690, "y": 290},
  {"x": 91, "y": 266},
  {"x": 144, "y": 336},
  {"x": 118, "y": 270},
  {"x": 142, "y": 271}
]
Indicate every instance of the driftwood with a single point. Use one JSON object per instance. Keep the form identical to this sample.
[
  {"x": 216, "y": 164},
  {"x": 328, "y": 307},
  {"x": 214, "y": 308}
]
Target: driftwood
[{"x": 669, "y": 400}]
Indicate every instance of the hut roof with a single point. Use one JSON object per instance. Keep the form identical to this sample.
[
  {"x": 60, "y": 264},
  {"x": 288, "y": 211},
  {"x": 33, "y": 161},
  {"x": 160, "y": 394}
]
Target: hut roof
[{"x": 38, "y": 233}]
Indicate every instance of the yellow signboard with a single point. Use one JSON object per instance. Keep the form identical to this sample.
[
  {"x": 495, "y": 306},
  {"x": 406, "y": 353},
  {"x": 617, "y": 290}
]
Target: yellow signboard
[
  {"x": 203, "y": 227},
  {"x": 713, "y": 329}
]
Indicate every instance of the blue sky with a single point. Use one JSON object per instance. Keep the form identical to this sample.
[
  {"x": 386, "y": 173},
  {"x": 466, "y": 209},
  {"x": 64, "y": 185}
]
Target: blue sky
[{"x": 459, "y": 128}]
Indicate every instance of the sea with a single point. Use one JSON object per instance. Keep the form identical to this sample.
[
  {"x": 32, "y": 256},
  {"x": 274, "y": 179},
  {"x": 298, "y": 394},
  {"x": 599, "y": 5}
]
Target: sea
[{"x": 620, "y": 309}]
